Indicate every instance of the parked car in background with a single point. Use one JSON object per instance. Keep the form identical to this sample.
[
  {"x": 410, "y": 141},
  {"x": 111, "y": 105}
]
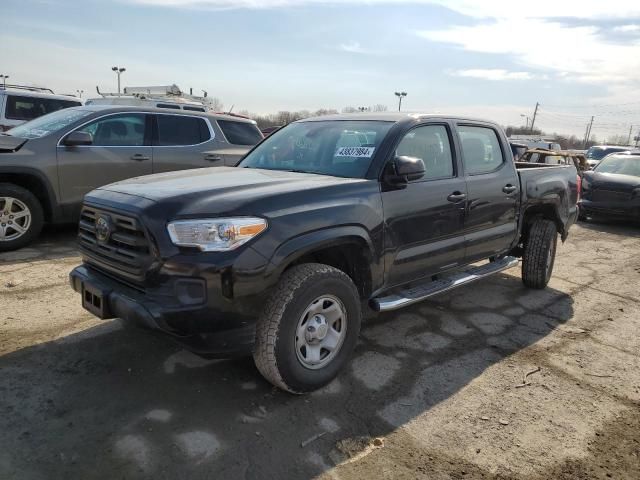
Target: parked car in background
[
  {"x": 517, "y": 149},
  {"x": 556, "y": 157},
  {"x": 327, "y": 216},
  {"x": 612, "y": 189},
  {"x": 48, "y": 164},
  {"x": 269, "y": 130},
  {"x": 19, "y": 104},
  {"x": 598, "y": 152},
  {"x": 536, "y": 142}
]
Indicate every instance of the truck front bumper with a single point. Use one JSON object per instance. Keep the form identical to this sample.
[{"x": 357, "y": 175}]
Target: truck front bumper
[{"x": 213, "y": 327}]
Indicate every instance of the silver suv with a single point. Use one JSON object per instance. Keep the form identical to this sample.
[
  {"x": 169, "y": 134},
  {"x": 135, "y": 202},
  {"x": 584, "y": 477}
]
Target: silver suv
[{"x": 48, "y": 164}]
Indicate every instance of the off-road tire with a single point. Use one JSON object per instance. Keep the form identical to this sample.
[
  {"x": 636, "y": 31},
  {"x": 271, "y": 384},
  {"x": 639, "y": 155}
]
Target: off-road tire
[
  {"x": 539, "y": 253},
  {"x": 37, "y": 216},
  {"x": 274, "y": 351}
]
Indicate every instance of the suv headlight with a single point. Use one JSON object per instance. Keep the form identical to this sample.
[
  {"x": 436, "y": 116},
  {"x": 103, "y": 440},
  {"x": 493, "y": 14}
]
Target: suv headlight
[{"x": 215, "y": 234}]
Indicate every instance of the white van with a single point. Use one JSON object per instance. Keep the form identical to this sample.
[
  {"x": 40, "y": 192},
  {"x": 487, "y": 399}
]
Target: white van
[
  {"x": 19, "y": 104},
  {"x": 169, "y": 96}
]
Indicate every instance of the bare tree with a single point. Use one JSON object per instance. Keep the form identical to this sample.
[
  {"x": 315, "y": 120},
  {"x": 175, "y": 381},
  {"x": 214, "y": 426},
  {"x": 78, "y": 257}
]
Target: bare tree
[
  {"x": 215, "y": 104},
  {"x": 378, "y": 107},
  {"x": 349, "y": 110}
]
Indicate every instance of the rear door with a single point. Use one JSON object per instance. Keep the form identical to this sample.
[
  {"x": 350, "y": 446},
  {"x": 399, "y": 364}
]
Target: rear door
[
  {"x": 182, "y": 141},
  {"x": 425, "y": 218},
  {"x": 121, "y": 149},
  {"x": 493, "y": 190}
]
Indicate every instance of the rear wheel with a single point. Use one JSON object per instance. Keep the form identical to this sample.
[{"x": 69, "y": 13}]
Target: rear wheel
[
  {"x": 21, "y": 217},
  {"x": 539, "y": 253},
  {"x": 308, "y": 328}
]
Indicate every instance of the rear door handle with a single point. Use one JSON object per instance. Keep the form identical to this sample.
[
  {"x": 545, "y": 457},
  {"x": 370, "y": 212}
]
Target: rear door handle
[
  {"x": 457, "y": 197},
  {"x": 508, "y": 189},
  {"x": 213, "y": 158},
  {"x": 139, "y": 157}
]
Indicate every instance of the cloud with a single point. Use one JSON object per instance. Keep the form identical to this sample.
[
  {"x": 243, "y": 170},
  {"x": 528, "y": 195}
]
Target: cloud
[
  {"x": 578, "y": 53},
  {"x": 355, "y": 47},
  {"x": 627, "y": 28},
  {"x": 595, "y": 9},
  {"x": 492, "y": 74}
]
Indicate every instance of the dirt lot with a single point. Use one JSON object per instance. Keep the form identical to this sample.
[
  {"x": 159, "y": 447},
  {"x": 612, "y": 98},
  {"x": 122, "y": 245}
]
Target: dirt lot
[{"x": 438, "y": 384}]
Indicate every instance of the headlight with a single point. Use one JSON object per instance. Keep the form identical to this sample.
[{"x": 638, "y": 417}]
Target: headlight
[{"x": 215, "y": 234}]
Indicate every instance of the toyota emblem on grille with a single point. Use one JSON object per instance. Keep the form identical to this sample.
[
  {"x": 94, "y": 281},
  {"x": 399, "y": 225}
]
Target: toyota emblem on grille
[{"x": 103, "y": 228}]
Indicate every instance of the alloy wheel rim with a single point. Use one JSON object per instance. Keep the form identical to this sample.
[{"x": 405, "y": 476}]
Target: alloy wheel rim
[
  {"x": 321, "y": 331},
  {"x": 15, "y": 219}
]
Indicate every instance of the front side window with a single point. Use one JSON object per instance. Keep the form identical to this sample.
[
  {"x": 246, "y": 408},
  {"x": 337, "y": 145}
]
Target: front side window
[
  {"x": 50, "y": 123},
  {"x": 431, "y": 144},
  {"x": 240, "y": 133},
  {"x": 179, "y": 130},
  {"x": 122, "y": 130},
  {"x": 341, "y": 148},
  {"x": 481, "y": 150},
  {"x": 28, "y": 108}
]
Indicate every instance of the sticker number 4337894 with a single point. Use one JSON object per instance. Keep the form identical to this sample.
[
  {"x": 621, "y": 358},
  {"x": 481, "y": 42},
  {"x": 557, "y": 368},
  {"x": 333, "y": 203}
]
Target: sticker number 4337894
[{"x": 364, "y": 152}]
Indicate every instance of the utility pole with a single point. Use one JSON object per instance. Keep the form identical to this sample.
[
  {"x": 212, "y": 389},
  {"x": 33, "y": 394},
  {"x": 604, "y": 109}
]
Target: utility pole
[
  {"x": 587, "y": 134},
  {"x": 629, "y": 139},
  {"x": 533, "y": 120}
]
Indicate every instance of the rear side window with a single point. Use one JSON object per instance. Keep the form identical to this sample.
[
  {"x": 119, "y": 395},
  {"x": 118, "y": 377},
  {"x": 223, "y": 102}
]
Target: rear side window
[
  {"x": 431, "y": 144},
  {"x": 240, "y": 133},
  {"x": 28, "y": 108},
  {"x": 178, "y": 130},
  {"x": 481, "y": 150}
]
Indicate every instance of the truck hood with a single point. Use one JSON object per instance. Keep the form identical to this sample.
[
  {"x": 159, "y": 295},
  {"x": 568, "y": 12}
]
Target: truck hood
[
  {"x": 10, "y": 144},
  {"x": 224, "y": 190}
]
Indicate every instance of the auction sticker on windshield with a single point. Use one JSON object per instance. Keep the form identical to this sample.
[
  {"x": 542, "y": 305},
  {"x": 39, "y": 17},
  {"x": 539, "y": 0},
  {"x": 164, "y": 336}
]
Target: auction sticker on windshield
[{"x": 362, "y": 152}]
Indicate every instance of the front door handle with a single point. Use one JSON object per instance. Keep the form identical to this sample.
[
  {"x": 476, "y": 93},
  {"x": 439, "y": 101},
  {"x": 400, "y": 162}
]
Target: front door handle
[
  {"x": 139, "y": 157},
  {"x": 457, "y": 197},
  {"x": 509, "y": 189},
  {"x": 213, "y": 158}
]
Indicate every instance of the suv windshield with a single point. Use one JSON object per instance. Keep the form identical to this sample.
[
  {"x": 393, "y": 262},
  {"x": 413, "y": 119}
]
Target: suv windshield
[
  {"x": 341, "y": 148},
  {"x": 620, "y": 164},
  {"x": 49, "y": 123}
]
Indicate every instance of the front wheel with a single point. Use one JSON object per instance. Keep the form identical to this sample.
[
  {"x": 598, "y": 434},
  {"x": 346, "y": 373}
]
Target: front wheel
[
  {"x": 539, "y": 253},
  {"x": 308, "y": 328},
  {"x": 21, "y": 217}
]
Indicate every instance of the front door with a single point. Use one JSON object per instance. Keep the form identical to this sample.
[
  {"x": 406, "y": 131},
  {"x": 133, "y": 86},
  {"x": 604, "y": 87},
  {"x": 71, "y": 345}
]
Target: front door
[
  {"x": 121, "y": 149},
  {"x": 425, "y": 219},
  {"x": 493, "y": 189}
]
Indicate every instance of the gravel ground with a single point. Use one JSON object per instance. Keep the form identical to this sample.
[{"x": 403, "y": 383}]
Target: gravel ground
[{"x": 434, "y": 391}]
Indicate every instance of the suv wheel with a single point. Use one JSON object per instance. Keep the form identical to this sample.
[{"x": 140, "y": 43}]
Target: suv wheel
[
  {"x": 539, "y": 253},
  {"x": 308, "y": 328},
  {"x": 21, "y": 217}
]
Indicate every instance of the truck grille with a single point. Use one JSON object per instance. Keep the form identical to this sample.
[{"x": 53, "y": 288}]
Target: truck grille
[{"x": 114, "y": 242}]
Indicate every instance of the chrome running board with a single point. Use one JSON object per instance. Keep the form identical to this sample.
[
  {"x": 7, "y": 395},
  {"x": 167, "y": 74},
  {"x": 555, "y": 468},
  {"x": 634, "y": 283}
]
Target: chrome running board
[{"x": 401, "y": 297}]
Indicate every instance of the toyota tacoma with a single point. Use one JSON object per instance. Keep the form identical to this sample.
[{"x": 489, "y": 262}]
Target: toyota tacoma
[{"x": 326, "y": 221}]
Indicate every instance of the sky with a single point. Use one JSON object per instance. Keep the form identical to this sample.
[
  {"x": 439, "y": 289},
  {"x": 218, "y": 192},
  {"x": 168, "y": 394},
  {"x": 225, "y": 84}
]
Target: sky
[{"x": 491, "y": 59}]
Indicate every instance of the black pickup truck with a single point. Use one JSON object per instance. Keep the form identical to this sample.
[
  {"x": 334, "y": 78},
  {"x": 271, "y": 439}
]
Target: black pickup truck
[{"x": 326, "y": 220}]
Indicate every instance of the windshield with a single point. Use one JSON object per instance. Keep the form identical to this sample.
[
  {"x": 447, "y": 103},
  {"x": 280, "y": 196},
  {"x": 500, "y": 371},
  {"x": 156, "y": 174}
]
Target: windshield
[
  {"x": 598, "y": 153},
  {"x": 620, "y": 164},
  {"x": 49, "y": 123},
  {"x": 341, "y": 148}
]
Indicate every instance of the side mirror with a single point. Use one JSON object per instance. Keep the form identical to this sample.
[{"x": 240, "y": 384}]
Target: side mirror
[
  {"x": 78, "y": 138},
  {"x": 404, "y": 169}
]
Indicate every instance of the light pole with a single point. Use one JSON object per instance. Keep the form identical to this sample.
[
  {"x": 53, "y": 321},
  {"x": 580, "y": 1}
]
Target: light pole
[
  {"x": 4, "y": 80},
  {"x": 400, "y": 95},
  {"x": 527, "y": 120},
  {"x": 118, "y": 71},
  {"x": 80, "y": 92}
]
